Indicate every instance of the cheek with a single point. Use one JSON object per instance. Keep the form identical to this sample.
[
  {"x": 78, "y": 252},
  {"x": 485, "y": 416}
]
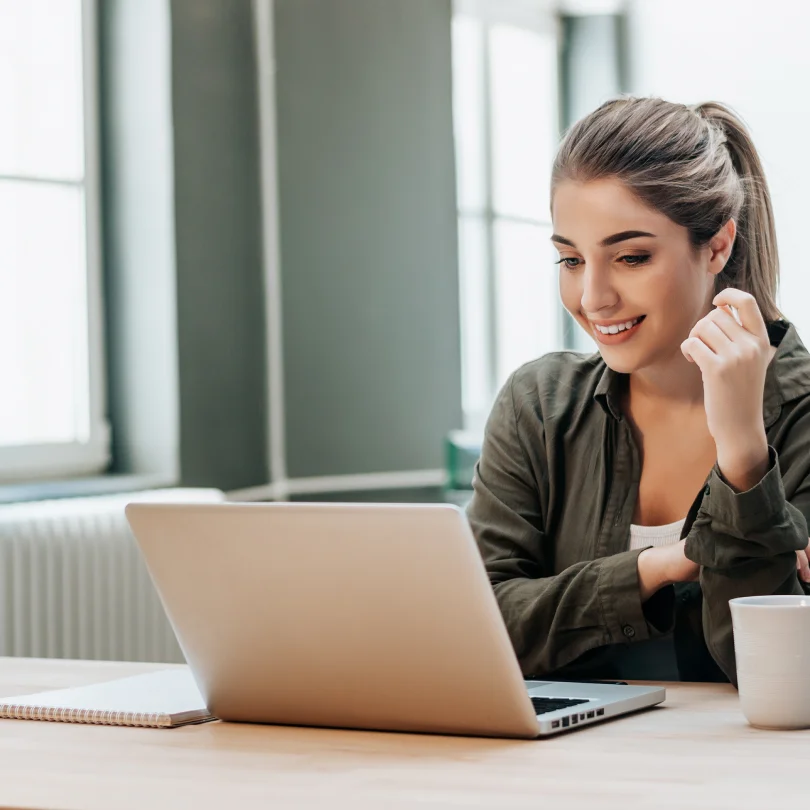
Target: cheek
[
  {"x": 680, "y": 293},
  {"x": 665, "y": 284}
]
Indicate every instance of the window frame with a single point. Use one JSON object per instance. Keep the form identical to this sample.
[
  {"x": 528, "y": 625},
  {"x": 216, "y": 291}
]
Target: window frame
[
  {"x": 31, "y": 462},
  {"x": 536, "y": 15}
]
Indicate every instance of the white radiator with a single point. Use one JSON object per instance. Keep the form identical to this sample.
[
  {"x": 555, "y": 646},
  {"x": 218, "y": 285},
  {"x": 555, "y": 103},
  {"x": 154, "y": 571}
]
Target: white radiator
[{"x": 73, "y": 584}]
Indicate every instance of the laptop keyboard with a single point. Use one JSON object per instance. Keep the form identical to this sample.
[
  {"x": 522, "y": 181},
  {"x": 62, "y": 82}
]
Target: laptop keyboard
[{"x": 543, "y": 705}]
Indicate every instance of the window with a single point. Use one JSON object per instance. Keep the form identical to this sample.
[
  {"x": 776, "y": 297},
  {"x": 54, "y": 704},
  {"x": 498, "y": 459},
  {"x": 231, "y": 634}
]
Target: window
[
  {"x": 52, "y": 405},
  {"x": 506, "y": 129}
]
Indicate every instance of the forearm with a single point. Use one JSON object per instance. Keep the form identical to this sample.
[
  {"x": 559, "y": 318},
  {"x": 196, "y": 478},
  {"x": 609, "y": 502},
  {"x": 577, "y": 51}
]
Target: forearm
[
  {"x": 745, "y": 464},
  {"x": 653, "y": 572},
  {"x": 735, "y": 529},
  {"x": 745, "y": 541},
  {"x": 554, "y": 620}
]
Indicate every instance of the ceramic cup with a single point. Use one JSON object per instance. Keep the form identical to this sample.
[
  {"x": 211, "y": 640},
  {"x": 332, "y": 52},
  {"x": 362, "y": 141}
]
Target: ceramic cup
[{"x": 772, "y": 645}]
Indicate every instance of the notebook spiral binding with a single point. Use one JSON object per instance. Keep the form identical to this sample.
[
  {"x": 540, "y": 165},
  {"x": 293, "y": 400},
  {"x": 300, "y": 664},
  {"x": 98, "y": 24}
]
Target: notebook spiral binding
[{"x": 91, "y": 716}]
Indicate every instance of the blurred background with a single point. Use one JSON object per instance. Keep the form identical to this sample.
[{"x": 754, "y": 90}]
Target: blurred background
[
  {"x": 285, "y": 248},
  {"x": 291, "y": 248}
]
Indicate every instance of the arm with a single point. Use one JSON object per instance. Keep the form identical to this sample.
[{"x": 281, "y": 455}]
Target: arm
[
  {"x": 746, "y": 543},
  {"x": 662, "y": 566},
  {"x": 747, "y": 530},
  {"x": 552, "y": 620}
]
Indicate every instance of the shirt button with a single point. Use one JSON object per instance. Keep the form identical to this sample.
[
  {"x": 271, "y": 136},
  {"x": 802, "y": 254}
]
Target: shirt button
[
  {"x": 628, "y": 631},
  {"x": 707, "y": 490},
  {"x": 686, "y": 598}
]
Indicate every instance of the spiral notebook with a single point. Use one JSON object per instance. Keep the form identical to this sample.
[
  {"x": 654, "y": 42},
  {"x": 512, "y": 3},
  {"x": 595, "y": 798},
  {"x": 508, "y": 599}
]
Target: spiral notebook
[{"x": 164, "y": 699}]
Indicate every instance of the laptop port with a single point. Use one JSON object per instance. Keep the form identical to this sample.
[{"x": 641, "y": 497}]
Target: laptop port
[
  {"x": 600, "y": 712},
  {"x": 574, "y": 720},
  {"x": 590, "y": 715},
  {"x": 582, "y": 718},
  {"x": 565, "y": 722},
  {"x": 555, "y": 723}
]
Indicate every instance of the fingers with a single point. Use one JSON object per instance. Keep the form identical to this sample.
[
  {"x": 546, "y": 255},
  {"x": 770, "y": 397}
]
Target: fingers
[
  {"x": 712, "y": 335},
  {"x": 723, "y": 335},
  {"x": 747, "y": 309},
  {"x": 730, "y": 326},
  {"x": 803, "y": 564},
  {"x": 696, "y": 351}
]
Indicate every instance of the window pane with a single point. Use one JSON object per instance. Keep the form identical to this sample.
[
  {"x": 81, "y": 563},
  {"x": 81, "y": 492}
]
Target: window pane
[
  {"x": 41, "y": 88},
  {"x": 523, "y": 81},
  {"x": 43, "y": 315},
  {"x": 528, "y": 297},
  {"x": 468, "y": 112},
  {"x": 475, "y": 327}
]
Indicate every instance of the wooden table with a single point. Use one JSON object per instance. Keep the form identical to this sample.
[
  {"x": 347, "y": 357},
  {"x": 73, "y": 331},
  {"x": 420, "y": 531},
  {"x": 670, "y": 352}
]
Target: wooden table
[{"x": 695, "y": 752}]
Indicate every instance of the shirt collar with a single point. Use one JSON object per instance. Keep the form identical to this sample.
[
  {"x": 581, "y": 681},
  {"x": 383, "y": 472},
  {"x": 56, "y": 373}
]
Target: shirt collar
[
  {"x": 787, "y": 377},
  {"x": 608, "y": 392}
]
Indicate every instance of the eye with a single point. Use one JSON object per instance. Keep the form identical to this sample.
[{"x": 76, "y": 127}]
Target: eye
[
  {"x": 635, "y": 259},
  {"x": 569, "y": 262}
]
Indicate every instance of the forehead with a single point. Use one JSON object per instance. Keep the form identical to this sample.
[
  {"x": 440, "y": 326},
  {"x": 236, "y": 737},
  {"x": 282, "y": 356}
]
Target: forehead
[{"x": 598, "y": 208}]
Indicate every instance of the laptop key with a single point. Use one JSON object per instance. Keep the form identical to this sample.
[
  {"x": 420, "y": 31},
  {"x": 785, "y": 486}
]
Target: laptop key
[{"x": 543, "y": 705}]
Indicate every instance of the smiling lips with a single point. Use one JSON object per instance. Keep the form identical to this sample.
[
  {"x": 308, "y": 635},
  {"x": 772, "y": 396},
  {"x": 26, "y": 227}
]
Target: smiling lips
[{"x": 616, "y": 332}]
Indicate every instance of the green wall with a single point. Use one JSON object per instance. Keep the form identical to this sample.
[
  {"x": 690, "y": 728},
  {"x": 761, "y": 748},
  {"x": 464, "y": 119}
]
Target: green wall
[
  {"x": 220, "y": 288},
  {"x": 368, "y": 234}
]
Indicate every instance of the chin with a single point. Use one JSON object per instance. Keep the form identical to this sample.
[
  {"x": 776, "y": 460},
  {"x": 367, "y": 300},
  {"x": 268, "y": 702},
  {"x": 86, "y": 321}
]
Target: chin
[
  {"x": 620, "y": 362},
  {"x": 627, "y": 360}
]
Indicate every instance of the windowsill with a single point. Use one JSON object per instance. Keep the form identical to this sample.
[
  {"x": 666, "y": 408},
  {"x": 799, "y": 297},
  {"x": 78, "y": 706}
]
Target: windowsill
[{"x": 110, "y": 484}]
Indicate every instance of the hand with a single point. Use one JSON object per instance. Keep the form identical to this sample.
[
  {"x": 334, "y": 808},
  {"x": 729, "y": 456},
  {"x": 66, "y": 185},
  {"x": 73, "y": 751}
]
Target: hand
[
  {"x": 658, "y": 567},
  {"x": 733, "y": 358},
  {"x": 803, "y": 564},
  {"x": 664, "y": 565}
]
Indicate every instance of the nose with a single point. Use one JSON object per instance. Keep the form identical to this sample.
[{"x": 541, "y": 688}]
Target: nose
[{"x": 597, "y": 290}]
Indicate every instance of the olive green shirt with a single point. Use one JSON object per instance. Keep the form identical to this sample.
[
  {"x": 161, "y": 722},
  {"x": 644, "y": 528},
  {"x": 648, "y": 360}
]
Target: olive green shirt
[{"x": 554, "y": 495}]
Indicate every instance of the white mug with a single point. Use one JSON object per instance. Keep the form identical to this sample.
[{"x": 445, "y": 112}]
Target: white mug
[{"x": 772, "y": 645}]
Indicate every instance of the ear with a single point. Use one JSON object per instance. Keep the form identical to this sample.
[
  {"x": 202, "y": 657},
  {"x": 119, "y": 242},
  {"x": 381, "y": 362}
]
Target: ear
[{"x": 720, "y": 247}]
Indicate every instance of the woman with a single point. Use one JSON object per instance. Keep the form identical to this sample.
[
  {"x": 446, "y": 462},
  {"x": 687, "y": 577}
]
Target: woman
[{"x": 621, "y": 499}]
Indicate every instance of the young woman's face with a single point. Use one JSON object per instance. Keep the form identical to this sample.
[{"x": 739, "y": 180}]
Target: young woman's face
[{"x": 629, "y": 270}]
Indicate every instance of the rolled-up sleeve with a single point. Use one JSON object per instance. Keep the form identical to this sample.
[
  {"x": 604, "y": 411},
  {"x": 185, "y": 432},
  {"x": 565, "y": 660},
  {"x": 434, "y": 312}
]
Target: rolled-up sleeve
[{"x": 745, "y": 543}]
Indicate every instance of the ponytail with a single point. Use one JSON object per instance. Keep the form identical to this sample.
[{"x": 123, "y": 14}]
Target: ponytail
[{"x": 754, "y": 262}]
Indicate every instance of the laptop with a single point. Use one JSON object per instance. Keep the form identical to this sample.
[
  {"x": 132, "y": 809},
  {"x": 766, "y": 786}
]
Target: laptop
[{"x": 361, "y": 616}]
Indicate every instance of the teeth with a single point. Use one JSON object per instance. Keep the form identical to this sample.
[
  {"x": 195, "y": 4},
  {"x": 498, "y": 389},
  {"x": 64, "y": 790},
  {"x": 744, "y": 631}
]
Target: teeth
[{"x": 616, "y": 327}]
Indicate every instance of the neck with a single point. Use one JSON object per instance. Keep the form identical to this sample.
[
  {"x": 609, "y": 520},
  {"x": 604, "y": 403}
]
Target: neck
[{"x": 672, "y": 379}]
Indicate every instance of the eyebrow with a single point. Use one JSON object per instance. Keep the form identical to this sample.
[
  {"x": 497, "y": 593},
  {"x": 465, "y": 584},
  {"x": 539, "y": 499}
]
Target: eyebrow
[{"x": 607, "y": 241}]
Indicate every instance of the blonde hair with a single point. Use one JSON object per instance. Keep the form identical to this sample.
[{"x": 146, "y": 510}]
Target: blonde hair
[{"x": 697, "y": 165}]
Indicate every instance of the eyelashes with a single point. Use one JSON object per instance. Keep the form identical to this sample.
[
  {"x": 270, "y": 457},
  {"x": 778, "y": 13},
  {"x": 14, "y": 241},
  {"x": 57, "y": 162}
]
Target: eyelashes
[
  {"x": 637, "y": 259},
  {"x": 631, "y": 260},
  {"x": 568, "y": 266}
]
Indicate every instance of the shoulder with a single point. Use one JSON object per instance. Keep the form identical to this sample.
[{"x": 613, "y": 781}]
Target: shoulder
[
  {"x": 791, "y": 365},
  {"x": 555, "y": 382}
]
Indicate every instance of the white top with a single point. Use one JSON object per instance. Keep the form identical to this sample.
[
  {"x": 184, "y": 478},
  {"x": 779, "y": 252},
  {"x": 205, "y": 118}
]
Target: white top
[{"x": 643, "y": 536}]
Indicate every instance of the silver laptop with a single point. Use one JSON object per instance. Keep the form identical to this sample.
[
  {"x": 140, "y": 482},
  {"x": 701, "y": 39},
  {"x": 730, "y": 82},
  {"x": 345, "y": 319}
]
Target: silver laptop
[{"x": 352, "y": 616}]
